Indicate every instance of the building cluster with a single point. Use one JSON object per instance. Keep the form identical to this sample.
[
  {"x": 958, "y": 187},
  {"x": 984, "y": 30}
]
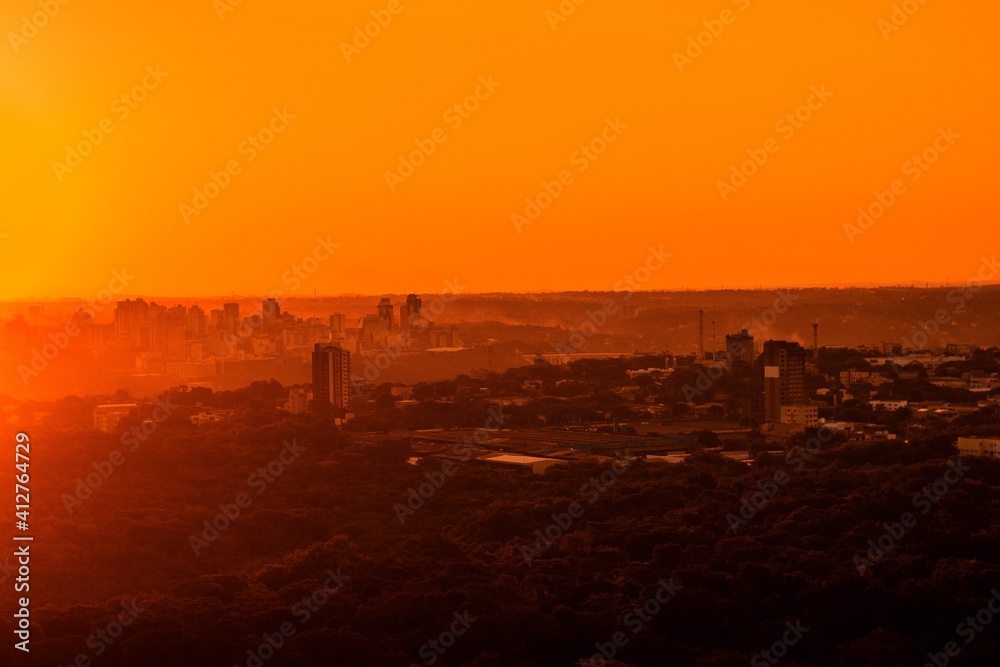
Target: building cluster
[
  {"x": 193, "y": 345},
  {"x": 403, "y": 326},
  {"x": 786, "y": 392}
]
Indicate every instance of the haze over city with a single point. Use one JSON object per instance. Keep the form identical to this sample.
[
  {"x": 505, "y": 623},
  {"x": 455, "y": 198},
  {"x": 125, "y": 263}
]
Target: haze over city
[{"x": 560, "y": 333}]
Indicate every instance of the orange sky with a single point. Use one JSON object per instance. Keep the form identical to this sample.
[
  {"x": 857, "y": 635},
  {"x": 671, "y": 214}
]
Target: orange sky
[{"x": 681, "y": 126}]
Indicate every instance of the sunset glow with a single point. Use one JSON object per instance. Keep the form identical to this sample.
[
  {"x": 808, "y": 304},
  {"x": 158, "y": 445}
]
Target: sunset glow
[{"x": 830, "y": 103}]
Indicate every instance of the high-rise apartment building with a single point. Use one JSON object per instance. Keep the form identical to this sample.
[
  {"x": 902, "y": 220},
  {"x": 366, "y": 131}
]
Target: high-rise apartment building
[
  {"x": 385, "y": 309},
  {"x": 331, "y": 374},
  {"x": 271, "y": 312},
  {"x": 784, "y": 377},
  {"x": 410, "y": 312},
  {"x": 740, "y": 347}
]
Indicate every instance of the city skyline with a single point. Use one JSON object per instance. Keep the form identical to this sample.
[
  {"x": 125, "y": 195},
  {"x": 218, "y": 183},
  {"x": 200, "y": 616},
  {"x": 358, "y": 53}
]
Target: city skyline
[{"x": 540, "y": 334}]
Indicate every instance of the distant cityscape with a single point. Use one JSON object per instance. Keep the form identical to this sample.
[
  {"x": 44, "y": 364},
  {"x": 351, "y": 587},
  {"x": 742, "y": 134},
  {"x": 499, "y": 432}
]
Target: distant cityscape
[
  {"x": 189, "y": 344},
  {"x": 775, "y": 388}
]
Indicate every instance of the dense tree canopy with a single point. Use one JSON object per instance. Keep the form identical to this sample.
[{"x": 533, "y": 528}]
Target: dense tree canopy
[{"x": 748, "y": 549}]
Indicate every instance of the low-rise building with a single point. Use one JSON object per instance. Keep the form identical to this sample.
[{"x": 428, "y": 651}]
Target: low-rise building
[
  {"x": 943, "y": 411},
  {"x": 985, "y": 447},
  {"x": 210, "y": 416},
  {"x": 891, "y": 406},
  {"x": 853, "y": 377},
  {"x": 107, "y": 417},
  {"x": 190, "y": 370},
  {"x": 298, "y": 400},
  {"x": 800, "y": 415},
  {"x": 860, "y": 432},
  {"x": 981, "y": 381},
  {"x": 536, "y": 464}
]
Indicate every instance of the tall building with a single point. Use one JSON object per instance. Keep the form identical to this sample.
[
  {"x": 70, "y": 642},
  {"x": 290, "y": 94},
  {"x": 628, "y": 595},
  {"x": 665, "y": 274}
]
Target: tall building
[
  {"x": 337, "y": 322},
  {"x": 409, "y": 313},
  {"x": 230, "y": 316},
  {"x": 196, "y": 324},
  {"x": 784, "y": 377},
  {"x": 157, "y": 327},
  {"x": 132, "y": 323},
  {"x": 740, "y": 347},
  {"x": 271, "y": 311},
  {"x": 385, "y": 309},
  {"x": 375, "y": 331},
  {"x": 331, "y": 374}
]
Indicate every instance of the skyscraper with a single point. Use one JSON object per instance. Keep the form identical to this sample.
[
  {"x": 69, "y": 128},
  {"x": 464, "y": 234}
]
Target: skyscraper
[
  {"x": 230, "y": 316},
  {"x": 132, "y": 323},
  {"x": 740, "y": 347},
  {"x": 331, "y": 374},
  {"x": 271, "y": 311},
  {"x": 409, "y": 313},
  {"x": 784, "y": 377},
  {"x": 385, "y": 309},
  {"x": 196, "y": 324}
]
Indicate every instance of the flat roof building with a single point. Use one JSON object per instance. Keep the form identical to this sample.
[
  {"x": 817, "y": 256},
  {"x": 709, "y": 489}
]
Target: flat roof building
[
  {"x": 107, "y": 417},
  {"x": 985, "y": 447},
  {"x": 784, "y": 377}
]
